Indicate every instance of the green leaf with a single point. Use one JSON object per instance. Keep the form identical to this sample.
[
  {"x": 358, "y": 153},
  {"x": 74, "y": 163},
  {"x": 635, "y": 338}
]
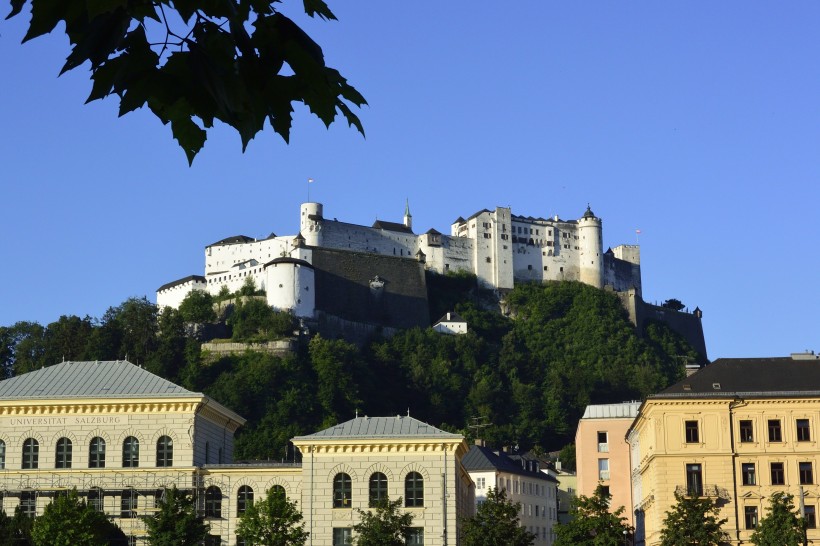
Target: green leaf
[
  {"x": 189, "y": 135},
  {"x": 16, "y": 7},
  {"x": 318, "y": 7},
  {"x": 45, "y": 15},
  {"x": 98, "y": 7}
]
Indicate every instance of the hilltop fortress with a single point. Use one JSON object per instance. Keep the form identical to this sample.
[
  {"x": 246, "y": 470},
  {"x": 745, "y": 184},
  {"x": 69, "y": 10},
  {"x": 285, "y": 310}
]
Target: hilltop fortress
[
  {"x": 499, "y": 247},
  {"x": 350, "y": 279}
]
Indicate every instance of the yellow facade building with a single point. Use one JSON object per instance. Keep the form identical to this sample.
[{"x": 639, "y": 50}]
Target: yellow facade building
[
  {"x": 738, "y": 431},
  {"x": 120, "y": 435}
]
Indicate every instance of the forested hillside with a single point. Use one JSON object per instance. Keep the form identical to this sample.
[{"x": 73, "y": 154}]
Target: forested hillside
[{"x": 530, "y": 376}]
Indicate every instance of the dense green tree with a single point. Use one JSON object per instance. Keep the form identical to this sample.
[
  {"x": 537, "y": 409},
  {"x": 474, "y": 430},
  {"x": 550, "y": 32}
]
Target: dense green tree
[
  {"x": 337, "y": 365},
  {"x": 593, "y": 523},
  {"x": 693, "y": 521},
  {"x": 176, "y": 523},
  {"x": 197, "y": 306},
  {"x": 782, "y": 526},
  {"x": 567, "y": 457},
  {"x": 254, "y": 320},
  {"x": 192, "y": 63},
  {"x": 69, "y": 521},
  {"x": 496, "y": 522},
  {"x": 21, "y": 525},
  {"x": 273, "y": 521},
  {"x": 384, "y": 525},
  {"x": 22, "y": 347},
  {"x": 67, "y": 339}
]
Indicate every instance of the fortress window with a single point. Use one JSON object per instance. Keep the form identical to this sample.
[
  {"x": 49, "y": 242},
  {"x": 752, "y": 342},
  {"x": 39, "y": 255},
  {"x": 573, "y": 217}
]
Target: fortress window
[
  {"x": 62, "y": 458},
  {"x": 529, "y": 267},
  {"x": 545, "y": 268},
  {"x": 130, "y": 453},
  {"x": 96, "y": 453},
  {"x": 489, "y": 260}
]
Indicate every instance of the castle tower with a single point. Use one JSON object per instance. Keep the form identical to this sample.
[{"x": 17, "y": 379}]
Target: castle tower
[
  {"x": 290, "y": 286},
  {"x": 408, "y": 218},
  {"x": 310, "y": 223},
  {"x": 591, "y": 247}
]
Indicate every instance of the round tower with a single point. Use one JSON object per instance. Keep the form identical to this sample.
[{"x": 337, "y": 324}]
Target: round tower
[
  {"x": 591, "y": 247},
  {"x": 310, "y": 223},
  {"x": 290, "y": 286}
]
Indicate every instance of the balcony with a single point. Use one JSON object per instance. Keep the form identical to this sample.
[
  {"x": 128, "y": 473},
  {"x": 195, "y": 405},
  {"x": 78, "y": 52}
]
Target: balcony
[{"x": 707, "y": 491}]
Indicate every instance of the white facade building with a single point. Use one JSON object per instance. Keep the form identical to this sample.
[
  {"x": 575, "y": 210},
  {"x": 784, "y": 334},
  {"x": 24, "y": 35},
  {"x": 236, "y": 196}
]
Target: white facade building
[
  {"x": 499, "y": 247},
  {"x": 522, "y": 482}
]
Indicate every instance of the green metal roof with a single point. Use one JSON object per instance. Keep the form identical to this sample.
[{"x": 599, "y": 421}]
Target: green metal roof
[{"x": 380, "y": 427}]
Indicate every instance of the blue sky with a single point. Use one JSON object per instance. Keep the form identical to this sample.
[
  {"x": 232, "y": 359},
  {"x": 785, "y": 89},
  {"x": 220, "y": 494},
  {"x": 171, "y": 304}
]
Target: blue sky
[{"x": 696, "y": 122}]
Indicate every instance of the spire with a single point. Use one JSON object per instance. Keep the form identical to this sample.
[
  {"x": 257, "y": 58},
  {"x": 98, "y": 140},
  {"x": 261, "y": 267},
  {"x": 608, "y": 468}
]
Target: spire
[{"x": 408, "y": 218}]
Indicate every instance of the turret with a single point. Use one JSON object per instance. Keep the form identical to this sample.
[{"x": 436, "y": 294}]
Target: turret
[
  {"x": 591, "y": 247},
  {"x": 408, "y": 218},
  {"x": 310, "y": 223}
]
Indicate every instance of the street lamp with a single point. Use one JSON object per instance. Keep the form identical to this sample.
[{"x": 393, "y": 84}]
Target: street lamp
[{"x": 626, "y": 537}]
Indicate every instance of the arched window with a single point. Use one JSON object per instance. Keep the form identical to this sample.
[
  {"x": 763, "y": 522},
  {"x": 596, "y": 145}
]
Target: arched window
[
  {"x": 213, "y": 502},
  {"x": 342, "y": 490},
  {"x": 63, "y": 455},
  {"x": 130, "y": 452},
  {"x": 95, "y": 499},
  {"x": 413, "y": 490},
  {"x": 96, "y": 453},
  {"x": 165, "y": 451},
  {"x": 2, "y": 454},
  {"x": 278, "y": 490},
  {"x": 128, "y": 504},
  {"x": 28, "y": 503},
  {"x": 31, "y": 453},
  {"x": 244, "y": 499},
  {"x": 378, "y": 489}
]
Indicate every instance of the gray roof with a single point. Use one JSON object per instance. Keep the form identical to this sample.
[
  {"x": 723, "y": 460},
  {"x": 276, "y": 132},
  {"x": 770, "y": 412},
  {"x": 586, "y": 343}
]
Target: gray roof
[
  {"x": 197, "y": 278},
  {"x": 623, "y": 410},
  {"x": 750, "y": 378},
  {"x": 104, "y": 378},
  {"x": 380, "y": 427},
  {"x": 481, "y": 458}
]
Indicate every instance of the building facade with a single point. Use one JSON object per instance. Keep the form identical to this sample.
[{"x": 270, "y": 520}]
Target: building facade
[
  {"x": 120, "y": 435},
  {"x": 523, "y": 483},
  {"x": 738, "y": 431},
  {"x": 602, "y": 454}
]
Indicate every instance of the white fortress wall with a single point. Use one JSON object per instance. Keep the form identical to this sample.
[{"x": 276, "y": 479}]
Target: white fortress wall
[
  {"x": 291, "y": 286},
  {"x": 344, "y": 236},
  {"x": 219, "y": 257},
  {"x": 173, "y": 295}
]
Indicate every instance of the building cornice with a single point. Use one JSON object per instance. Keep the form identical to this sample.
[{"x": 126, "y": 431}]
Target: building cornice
[
  {"x": 392, "y": 445},
  {"x": 20, "y": 408}
]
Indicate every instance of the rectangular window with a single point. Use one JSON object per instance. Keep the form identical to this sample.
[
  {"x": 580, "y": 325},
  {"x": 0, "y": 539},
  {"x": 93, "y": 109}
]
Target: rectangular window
[
  {"x": 342, "y": 536},
  {"x": 803, "y": 430},
  {"x": 603, "y": 469},
  {"x": 775, "y": 434},
  {"x": 694, "y": 480},
  {"x": 778, "y": 475},
  {"x": 414, "y": 536},
  {"x": 692, "y": 435},
  {"x": 751, "y": 517},
  {"x": 811, "y": 518},
  {"x": 603, "y": 442},
  {"x": 748, "y": 473},
  {"x": 746, "y": 432},
  {"x": 806, "y": 475},
  {"x": 480, "y": 482}
]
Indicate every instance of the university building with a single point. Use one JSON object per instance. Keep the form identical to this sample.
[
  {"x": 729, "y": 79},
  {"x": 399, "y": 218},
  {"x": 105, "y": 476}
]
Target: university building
[
  {"x": 120, "y": 435},
  {"x": 737, "y": 431}
]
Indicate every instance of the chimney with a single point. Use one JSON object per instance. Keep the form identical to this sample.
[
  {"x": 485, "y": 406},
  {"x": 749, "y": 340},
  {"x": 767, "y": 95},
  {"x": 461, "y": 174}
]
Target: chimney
[{"x": 479, "y": 442}]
